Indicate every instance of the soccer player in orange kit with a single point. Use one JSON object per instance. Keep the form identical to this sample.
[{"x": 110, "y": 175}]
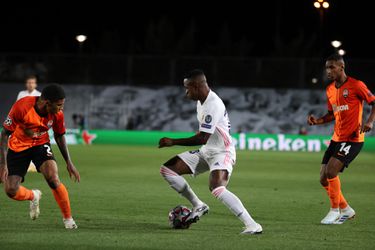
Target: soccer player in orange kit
[
  {"x": 25, "y": 132},
  {"x": 345, "y": 96}
]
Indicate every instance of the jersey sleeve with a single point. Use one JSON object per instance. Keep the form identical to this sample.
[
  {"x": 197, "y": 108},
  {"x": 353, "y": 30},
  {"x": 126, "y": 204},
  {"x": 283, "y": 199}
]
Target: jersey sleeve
[
  {"x": 364, "y": 93},
  {"x": 14, "y": 118},
  {"x": 209, "y": 120},
  {"x": 59, "y": 124},
  {"x": 329, "y": 104}
]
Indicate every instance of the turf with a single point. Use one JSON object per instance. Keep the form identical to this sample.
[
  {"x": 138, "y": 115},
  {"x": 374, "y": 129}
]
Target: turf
[{"x": 123, "y": 203}]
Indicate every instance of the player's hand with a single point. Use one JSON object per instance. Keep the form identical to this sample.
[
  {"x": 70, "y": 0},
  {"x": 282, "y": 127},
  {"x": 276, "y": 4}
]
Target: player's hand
[
  {"x": 165, "y": 142},
  {"x": 73, "y": 172},
  {"x": 3, "y": 173},
  {"x": 366, "y": 127},
  {"x": 311, "y": 120}
]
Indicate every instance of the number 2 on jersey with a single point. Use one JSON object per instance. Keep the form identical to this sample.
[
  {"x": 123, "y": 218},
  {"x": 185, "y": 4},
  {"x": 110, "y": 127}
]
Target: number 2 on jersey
[{"x": 49, "y": 152}]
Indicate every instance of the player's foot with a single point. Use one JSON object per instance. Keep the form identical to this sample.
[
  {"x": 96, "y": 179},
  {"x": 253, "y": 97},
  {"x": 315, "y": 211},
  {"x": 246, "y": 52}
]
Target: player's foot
[
  {"x": 345, "y": 214},
  {"x": 34, "y": 204},
  {"x": 197, "y": 212},
  {"x": 254, "y": 229},
  {"x": 331, "y": 217},
  {"x": 70, "y": 223}
]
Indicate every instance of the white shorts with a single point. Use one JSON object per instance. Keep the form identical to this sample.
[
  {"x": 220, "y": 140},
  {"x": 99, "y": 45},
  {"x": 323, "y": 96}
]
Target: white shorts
[{"x": 199, "y": 162}]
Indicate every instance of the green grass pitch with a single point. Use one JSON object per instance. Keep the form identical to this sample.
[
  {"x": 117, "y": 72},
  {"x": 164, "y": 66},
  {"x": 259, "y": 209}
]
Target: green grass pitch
[{"x": 122, "y": 203}]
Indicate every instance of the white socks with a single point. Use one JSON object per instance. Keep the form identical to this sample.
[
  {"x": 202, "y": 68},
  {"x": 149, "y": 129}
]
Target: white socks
[
  {"x": 179, "y": 184},
  {"x": 234, "y": 204},
  {"x": 229, "y": 199}
]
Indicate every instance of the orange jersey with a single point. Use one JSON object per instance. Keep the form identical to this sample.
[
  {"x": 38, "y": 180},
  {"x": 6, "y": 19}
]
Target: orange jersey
[
  {"x": 28, "y": 127},
  {"x": 346, "y": 103}
]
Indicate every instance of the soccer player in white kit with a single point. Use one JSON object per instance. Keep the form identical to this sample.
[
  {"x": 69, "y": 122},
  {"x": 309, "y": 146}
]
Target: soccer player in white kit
[
  {"x": 31, "y": 84},
  {"x": 217, "y": 154}
]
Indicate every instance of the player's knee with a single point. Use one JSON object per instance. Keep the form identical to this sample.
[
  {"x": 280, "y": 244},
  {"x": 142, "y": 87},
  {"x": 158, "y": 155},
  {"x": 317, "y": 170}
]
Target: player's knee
[
  {"x": 323, "y": 182},
  {"x": 331, "y": 174},
  {"x": 215, "y": 185},
  {"x": 11, "y": 191},
  {"x": 53, "y": 181},
  {"x": 211, "y": 187}
]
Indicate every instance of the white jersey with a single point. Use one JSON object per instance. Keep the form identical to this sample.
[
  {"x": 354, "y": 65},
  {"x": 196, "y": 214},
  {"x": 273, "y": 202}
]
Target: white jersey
[
  {"x": 213, "y": 119},
  {"x": 24, "y": 93}
]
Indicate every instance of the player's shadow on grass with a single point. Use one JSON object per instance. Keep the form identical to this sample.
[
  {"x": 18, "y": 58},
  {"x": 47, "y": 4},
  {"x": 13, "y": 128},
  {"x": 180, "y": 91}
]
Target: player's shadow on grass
[{"x": 117, "y": 224}]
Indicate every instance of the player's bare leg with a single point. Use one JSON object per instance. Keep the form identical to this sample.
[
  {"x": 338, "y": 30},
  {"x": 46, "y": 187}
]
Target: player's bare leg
[
  {"x": 50, "y": 172},
  {"x": 334, "y": 213},
  {"x": 16, "y": 191},
  {"x": 340, "y": 211}
]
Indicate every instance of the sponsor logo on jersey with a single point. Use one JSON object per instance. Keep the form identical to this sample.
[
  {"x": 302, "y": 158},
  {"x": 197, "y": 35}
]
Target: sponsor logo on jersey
[
  {"x": 206, "y": 126},
  {"x": 345, "y": 93},
  {"x": 8, "y": 121},
  {"x": 340, "y": 108},
  {"x": 208, "y": 119},
  {"x": 38, "y": 134}
]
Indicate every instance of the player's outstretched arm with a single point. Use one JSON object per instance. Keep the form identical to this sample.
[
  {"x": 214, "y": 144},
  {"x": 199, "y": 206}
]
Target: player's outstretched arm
[
  {"x": 73, "y": 172},
  {"x": 366, "y": 127},
  {"x": 311, "y": 120},
  {"x": 3, "y": 152},
  {"x": 200, "y": 138}
]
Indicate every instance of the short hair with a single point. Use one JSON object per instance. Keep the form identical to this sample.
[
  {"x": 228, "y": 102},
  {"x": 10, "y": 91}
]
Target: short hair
[
  {"x": 335, "y": 57},
  {"x": 194, "y": 73},
  {"x": 31, "y": 77},
  {"x": 53, "y": 93}
]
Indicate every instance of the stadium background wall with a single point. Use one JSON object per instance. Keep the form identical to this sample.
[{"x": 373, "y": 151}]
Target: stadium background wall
[{"x": 244, "y": 141}]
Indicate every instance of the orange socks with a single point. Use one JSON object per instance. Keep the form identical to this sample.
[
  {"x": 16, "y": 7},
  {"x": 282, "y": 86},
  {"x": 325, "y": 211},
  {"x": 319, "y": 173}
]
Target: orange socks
[
  {"x": 23, "y": 194},
  {"x": 343, "y": 203},
  {"x": 60, "y": 193},
  {"x": 334, "y": 192},
  {"x": 62, "y": 199}
]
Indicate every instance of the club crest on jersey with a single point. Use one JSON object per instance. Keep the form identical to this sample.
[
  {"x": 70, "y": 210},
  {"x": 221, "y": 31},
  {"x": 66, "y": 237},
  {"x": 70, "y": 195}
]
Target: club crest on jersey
[
  {"x": 49, "y": 124},
  {"x": 8, "y": 121},
  {"x": 208, "y": 119},
  {"x": 345, "y": 93}
]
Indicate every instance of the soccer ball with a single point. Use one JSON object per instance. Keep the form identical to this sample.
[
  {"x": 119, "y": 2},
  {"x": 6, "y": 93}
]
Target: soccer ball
[{"x": 177, "y": 217}]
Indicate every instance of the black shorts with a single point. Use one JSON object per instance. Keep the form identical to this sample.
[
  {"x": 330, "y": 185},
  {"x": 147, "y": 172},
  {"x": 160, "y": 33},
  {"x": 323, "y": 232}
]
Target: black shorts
[
  {"x": 18, "y": 162},
  {"x": 346, "y": 152}
]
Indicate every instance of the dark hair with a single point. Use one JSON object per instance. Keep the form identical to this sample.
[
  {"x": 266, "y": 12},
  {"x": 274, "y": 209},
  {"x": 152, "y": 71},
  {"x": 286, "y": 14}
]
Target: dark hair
[
  {"x": 335, "y": 57},
  {"x": 31, "y": 77},
  {"x": 194, "y": 73},
  {"x": 53, "y": 93}
]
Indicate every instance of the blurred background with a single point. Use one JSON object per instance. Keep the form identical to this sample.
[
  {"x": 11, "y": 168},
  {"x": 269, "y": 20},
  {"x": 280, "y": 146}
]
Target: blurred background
[{"x": 122, "y": 65}]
